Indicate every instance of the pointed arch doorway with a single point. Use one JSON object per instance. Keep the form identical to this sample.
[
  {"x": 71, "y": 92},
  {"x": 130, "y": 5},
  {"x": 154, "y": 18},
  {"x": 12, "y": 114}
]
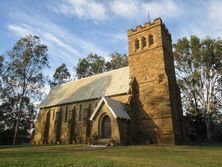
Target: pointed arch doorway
[{"x": 106, "y": 127}]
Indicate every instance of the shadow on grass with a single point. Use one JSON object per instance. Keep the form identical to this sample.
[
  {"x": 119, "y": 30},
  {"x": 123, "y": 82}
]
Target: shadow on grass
[{"x": 206, "y": 144}]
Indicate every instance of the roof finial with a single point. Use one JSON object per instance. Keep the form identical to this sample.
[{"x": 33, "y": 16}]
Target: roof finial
[{"x": 148, "y": 17}]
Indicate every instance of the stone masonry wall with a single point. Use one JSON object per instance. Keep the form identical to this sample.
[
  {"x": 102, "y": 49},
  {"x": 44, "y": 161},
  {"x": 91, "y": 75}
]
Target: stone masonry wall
[
  {"x": 74, "y": 128},
  {"x": 151, "y": 86}
]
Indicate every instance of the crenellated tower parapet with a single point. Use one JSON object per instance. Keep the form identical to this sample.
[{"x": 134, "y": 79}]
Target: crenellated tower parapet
[
  {"x": 147, "y": 26},
  {"x": 149, "y": 36}
]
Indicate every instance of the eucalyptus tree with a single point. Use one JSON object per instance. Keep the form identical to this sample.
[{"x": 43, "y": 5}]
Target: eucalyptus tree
[
  {"x": 91, "y": 65},
  {"x": 94, "y": 64},
  {"x": 23, "y": 81},
  {"x": 60, "y": 76},
  {"x": 116, "y": 61},
  {"x": 199, "y": 72}
]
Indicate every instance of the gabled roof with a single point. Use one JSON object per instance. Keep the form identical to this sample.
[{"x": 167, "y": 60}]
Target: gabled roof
[
  {"x": 106, "y": 84},
  {"x": 117, "y": 108}
]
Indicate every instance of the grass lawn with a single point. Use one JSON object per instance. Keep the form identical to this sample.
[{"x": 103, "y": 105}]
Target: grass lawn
[{"x": 122, "y": 156}]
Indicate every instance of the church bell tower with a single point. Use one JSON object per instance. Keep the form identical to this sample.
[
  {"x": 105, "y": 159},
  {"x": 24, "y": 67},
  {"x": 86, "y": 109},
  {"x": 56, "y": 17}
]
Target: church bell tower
[{"x": 156, "y": 96}]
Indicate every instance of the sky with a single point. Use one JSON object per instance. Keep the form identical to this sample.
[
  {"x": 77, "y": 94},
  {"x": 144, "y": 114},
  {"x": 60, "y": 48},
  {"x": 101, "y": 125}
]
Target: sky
[{"x": 74, "y": 28}]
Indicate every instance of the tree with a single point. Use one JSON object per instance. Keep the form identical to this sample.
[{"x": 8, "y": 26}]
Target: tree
[
  {"x": 1, "y": 63},
  {"x": 91, "y": 65},
  {"x": 60, "y": 76},
  {"x": 117, "y": 61},
  {"x": 82, "y": 69},
  {"x": 2, "y": 68},
  {"x": 8, "y": 119},
  {"x": 94, "y": 64},
  {"x": 22, "y": 82},
  {"x": 199, "y": 69}
]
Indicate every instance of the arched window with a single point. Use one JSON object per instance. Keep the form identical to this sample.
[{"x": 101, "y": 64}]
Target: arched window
[
  {"x": 106, "y": 127},
  {"x": 73, "y": 113},
  {"x": 66, "y": 114},
  {"x": 80, "y": 112},
  {"x": 58, "y": 125},
  {"x": 143, "y": 42},
  {"x": 151, "y": 40},
  {"x": 137, "y": 44},
  {"x": 72, "y": 125},
  {"x": 70, "y": 115},
  {"x": 53, "y": 115}
]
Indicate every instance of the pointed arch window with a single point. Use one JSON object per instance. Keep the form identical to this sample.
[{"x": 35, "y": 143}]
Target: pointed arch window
[
  {"x": 73, "y": 114},
  {"x": 106, "y": 127},
  {"x": 70, "y": 115},
  {"x": 151, "y": 40},
  {"x": 66, "y": 114},
  {"x": 143, "y": 42},
  {"x": 137, "y": 44},
  {"x": 80, "y": 112},
  {"x": 53, "y": 115}
]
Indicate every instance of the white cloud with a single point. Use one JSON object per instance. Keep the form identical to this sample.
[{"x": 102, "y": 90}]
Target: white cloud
[
  {"x": 84, "y": 9},
  {"x": 59, "y": 43},
  {"x": 20, "y": 30},
  {"x": 206, "y": 21},
  {"x": 163, "y": 8},
  {"x": 55, "y": 44},
  {"x": 114, "y": 36},
  {"x": 119, "y": 36},
  {"x": 125, "y": 8},
  {"x": 139, "y": 8},
  {"x": 98, "y": 11},
  {"x": 63, "y": 45},
  {"x": 214, "y": 18},
  {"x": 215, "y": 10}
]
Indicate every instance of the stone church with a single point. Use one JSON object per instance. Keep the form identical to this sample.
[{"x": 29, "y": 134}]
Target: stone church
[{"x": 138, "y": 104}]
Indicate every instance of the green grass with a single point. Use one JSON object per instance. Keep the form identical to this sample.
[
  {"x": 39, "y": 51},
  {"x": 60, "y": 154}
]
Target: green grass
[{"x": 122, "y": 156}]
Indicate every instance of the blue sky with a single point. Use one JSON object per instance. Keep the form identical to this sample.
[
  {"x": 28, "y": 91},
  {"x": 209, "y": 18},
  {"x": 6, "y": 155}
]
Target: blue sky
[{"x": 74, "y": 28}]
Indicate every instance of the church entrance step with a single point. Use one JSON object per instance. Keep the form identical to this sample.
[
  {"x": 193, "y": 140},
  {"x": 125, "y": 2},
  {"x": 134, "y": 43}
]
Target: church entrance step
[{"x": 98, "y": 146}]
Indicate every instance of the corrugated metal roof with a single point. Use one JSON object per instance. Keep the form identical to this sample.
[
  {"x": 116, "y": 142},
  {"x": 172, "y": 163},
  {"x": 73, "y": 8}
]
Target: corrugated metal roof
[
  {"x": 117, "y": 108},
  {"x": 105, "y": 84}
]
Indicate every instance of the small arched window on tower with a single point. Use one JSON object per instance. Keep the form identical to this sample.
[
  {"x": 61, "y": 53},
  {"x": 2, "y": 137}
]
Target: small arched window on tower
[
  {"x": 137, "y": 44},
  {"x": 151, "y": 40},
  {"x": 143, "y": 42}
]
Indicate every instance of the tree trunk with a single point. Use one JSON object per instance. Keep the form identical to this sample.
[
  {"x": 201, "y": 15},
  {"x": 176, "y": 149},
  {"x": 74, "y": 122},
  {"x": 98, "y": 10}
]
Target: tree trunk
[
  {"x": 208, "y": 129},
  {"x": 16, "y": 129},
  {"x": 17, "y": 121}
]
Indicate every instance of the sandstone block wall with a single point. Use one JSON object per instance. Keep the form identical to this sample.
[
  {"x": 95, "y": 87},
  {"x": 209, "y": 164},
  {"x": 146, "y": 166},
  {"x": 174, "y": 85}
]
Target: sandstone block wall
[
  {"x": 63, "y": 124},
  {"x": 154, "y": 86}
]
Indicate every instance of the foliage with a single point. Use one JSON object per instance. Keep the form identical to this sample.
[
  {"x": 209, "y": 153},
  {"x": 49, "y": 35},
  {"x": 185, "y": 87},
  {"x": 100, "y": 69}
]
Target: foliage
[
  {"x": 94, "y": 64},
  {"x": 91, "y": 65},
  {"x": 2, "y": 67},
  {"x": 8, "y": 114},
  {"x": 199, "y": 69},
  {"x": 22, "y": 83},
  {"x": 117, "y": 60},
  {"x": 1, "y": 63},
  {"x": 6, "y": 137},
  {"x": 60, "y": 76}
]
